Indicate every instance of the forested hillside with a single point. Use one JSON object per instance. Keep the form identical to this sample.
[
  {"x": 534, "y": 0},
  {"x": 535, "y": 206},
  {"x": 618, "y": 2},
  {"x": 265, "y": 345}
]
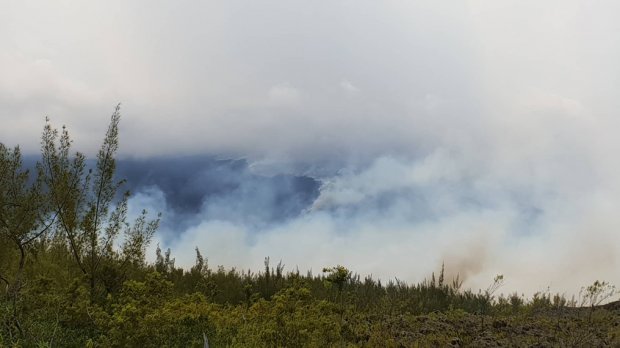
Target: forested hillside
[{"x": 74, "y": 273}]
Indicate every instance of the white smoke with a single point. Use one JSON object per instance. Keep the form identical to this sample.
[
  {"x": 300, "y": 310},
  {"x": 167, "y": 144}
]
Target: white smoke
[
  {"x": 479, "y": 133},
  {"x": 399, "y": 218}
]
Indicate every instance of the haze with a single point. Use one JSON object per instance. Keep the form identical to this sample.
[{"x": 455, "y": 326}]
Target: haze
[{"x": 476, "y": 133}]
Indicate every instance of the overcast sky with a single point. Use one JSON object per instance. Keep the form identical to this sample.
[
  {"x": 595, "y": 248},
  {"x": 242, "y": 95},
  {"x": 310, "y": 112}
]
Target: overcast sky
[{"x": 480, "y": 133}]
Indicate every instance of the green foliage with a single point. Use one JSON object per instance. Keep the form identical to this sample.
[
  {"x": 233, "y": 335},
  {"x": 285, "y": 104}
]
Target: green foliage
[
  {"x": 24, "y": 222},
  {"x": 338, "y": 275}
]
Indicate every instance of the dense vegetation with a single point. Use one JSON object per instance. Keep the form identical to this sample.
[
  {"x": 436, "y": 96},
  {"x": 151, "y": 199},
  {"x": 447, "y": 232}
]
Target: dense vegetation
[{"x": 74, "y": 274}]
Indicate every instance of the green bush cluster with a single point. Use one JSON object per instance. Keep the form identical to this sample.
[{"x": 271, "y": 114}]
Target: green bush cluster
[{"x": 172, "y": 307}]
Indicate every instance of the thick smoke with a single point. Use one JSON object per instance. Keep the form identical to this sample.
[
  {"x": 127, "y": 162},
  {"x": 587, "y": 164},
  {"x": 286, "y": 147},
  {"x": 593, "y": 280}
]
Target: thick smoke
[
  {"x": 402, "y": 218},
  {"x": 387, "y": 136}
]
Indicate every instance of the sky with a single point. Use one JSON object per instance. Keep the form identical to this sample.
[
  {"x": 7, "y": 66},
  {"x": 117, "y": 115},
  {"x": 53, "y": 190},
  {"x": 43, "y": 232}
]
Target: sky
[{"x": 395, "y": 135}]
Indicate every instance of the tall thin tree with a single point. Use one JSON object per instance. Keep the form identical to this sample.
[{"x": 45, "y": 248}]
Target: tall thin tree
[{"x": 92, "y": 214}]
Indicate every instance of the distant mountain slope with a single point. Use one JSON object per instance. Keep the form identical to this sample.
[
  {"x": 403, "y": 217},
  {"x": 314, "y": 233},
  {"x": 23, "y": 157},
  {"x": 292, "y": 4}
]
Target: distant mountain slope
[{"x": 221, "y": 188}]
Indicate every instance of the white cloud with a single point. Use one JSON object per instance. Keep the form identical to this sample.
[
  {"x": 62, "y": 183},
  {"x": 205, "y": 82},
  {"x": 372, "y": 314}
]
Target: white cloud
[
  {"x": 284, "y": 95},
  {"x": 348, "y": 87}
]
